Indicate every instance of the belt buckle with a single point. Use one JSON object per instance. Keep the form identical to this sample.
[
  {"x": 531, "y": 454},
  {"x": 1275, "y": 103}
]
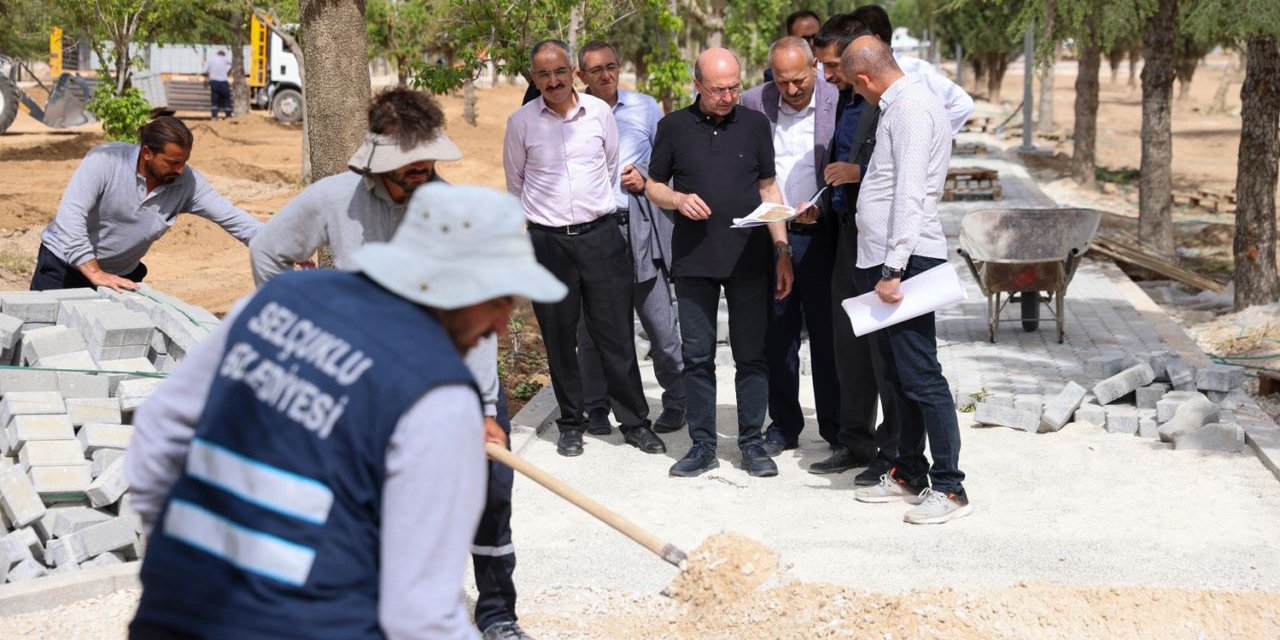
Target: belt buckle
[{"x": 569, "y": 230}]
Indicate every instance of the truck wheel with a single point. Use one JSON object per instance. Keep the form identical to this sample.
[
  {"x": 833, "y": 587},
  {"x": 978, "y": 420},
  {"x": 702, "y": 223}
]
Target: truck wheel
[
  {"x": 8, "y": 102},
  {"x": 287, "y": 106}
]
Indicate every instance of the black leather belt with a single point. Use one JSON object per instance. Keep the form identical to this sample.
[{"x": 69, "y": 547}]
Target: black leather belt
[
  {"x": 795, "y": 227},
  {"x": 623, "y": 215},
  {"x": 572, "y": 229}
]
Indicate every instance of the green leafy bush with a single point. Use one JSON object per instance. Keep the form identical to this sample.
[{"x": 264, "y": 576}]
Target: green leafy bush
[{"x": 122, "y": 115}]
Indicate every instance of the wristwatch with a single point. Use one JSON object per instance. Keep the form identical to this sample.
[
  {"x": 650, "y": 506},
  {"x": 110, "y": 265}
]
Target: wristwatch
[
  {"x": 780, "y": 249},
  {"x": 887, "y": 273}
]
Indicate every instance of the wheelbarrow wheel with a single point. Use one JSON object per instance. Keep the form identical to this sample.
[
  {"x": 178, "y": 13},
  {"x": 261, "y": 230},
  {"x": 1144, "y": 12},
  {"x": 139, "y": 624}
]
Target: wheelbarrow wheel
[{"x": 1030, "y": 310}]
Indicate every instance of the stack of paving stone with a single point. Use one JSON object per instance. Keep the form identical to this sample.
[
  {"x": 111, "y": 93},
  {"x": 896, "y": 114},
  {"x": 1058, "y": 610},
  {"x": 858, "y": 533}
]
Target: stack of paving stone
[
  {"x": 1151, "y": 395},
  {"x": 76, "y": 364}
]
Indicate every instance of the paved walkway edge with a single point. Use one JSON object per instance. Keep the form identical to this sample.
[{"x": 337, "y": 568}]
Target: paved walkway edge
[
  {"x": 533, "y": 418},
  {"x": 56, "y": 591}
]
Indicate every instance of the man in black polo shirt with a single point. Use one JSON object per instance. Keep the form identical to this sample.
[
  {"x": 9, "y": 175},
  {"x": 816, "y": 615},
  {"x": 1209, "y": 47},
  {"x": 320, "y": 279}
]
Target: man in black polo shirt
[{"x": 719, "y": 159}]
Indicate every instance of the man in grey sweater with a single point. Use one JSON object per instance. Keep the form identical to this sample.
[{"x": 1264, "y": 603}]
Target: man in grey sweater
[
  {"x": 120, "y": 200},
  {"x": 350, "y": 209}
]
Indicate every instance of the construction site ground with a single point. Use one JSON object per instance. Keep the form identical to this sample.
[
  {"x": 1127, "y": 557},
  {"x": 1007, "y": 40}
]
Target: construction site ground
[{"x": 1076, "y": 534}]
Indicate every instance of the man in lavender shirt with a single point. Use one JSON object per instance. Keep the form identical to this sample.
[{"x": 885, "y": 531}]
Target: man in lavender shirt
[{"x": 561, "y": 160}]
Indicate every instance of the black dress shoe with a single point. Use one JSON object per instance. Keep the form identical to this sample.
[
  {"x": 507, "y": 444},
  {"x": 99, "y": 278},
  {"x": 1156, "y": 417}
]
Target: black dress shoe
[
  {"x": 841, "y": 460},
  {"x": 757, "y": 462},
  {"x": 698, "y": 461},
  {"x": 644, "y": 439},
  {"x": 870, "y": 476},
  {"x": 598, "y": 422},
  {"x": 671, "y": 421},
  {"x": 570, "y": 443}
]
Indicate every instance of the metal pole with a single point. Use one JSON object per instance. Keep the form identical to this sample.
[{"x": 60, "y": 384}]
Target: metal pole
[
  {"x": 1028, "y": 61},
  {"x": 959, "y": 64}
]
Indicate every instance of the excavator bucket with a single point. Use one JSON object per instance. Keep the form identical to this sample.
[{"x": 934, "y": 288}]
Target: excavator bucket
[{"x": 65, "y": 107}]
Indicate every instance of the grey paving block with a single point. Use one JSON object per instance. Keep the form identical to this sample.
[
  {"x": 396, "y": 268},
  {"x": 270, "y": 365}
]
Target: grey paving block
[
  {"x": 1214, "y": 436},
  {"x": 1181, "y": 375},
  {"x": 51, "y": 453},
  {"x": 995, "y": 415},
  {"x": 1215, "y": 396},
  {"x": 102, "y": 458},
  {"x": 1123, "y": 383},
  {"x": 125, "y": 352},
  {"x": 83, "y": 385},
  {"x": 1189, "y": 416},
  {"x": 1060, "y": 408},
  {"x": 30, "y": 306},
  {"x": 50, "y": 341},
  {"x": 83, "y": 411},
  {"x": 109, "y": 486},
  {"x": 126, "y": 512},
  {"x": 1159, "y": 362},
  {"x": 1148, "y": 396},
  {"x": 10, "y": 331},
  {"x": 100, "y": 538},
  {"x": 1000, "y": 401},
  {"x": 27, "y": 570},
  {"x": 97, "y": 435},
  {"x": 61, "y": 484},
  {"x": 18, "y": 497},
  {"x": 1169, "y": 404},
  {"x": 1104, "y": 366},
  {"x": 23, "y": 543},
  {"x": 1122, "y": 420},
  {"x": 132, "y": 393},
  {"x": 1219, "y": 377},
  {"x": 78, "y": 293},
  {"x": 102, "y": 560},
  {"x": 78, "y": 360},
  {"x": 12, "y": 380},
  {"x": 125, "y": 369},
  {"x": 1091, "y": 414},
  {"x": 68, "y": 520},
  {"x": 32, "y": 427},
  {"x": 122, "y": 328},
  {"x": 1148, "y": 427},
  {"x": 30, "y": 403}
]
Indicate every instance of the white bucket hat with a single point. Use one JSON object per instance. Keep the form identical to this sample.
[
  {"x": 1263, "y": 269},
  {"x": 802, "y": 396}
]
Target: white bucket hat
[
  {"x": 458, "y": 246},
  {"x": 381, "y": 153}
]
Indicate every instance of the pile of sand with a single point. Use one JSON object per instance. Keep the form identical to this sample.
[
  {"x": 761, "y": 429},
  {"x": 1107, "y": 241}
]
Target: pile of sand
[{"x": 724, "y": 569}]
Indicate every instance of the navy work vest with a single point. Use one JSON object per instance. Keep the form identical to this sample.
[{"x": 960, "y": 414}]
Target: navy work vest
[{"x": 273, "y": 528}]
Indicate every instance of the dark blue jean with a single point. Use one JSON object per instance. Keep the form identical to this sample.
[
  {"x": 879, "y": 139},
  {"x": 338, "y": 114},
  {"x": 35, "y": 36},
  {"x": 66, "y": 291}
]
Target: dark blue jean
[
  {"x": 915, "y": 384},
  {"x": 698, "y": 300}
]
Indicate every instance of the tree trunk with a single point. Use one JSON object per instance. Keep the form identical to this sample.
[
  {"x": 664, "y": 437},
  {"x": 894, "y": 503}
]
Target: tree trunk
[
  {"x": 1135, "y": 53},
  {"x": 1114, "y": 58},
  {"x": 1045, "y": 124},
  {"x": 997, "y": 64},
  {"x": 1220, "y": 94},
  {"x": 469, "y": 102},
  {"x": 1259, "y": 160},
  {"x": 1184, "y": 70},
  {"x": 239, "y": 82},
  {"x": 1155, "y": 199},
  {"x": 336, "y": 90},
  {"x": 1084, "y": 138}
]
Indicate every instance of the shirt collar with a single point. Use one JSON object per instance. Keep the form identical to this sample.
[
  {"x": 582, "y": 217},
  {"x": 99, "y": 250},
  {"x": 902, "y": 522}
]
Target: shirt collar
[
  {"x": 581, "y": 108},
  {"x": 702, "y": 116},
  {"x": 896, "y": 89},
  {"x": 783, "y": 107}
]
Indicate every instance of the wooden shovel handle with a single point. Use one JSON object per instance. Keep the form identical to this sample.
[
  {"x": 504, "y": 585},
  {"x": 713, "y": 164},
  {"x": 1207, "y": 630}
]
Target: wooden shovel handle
[{"x": 659, "y": 547}]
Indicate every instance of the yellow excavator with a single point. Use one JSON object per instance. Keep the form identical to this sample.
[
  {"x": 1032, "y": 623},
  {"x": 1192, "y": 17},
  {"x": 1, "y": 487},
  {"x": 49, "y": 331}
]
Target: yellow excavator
[{"x": 65, "y": 104}]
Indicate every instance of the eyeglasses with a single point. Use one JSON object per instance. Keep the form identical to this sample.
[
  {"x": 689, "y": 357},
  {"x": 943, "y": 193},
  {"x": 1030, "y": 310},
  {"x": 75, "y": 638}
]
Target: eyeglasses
[
  {"x": 560, "y": 74},
  {"x": 612, "y": 68},
  {"x": 723, "y": 92}
]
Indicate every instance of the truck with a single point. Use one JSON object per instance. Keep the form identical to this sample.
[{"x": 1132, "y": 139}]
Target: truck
[{"x": 171, "y": 77}]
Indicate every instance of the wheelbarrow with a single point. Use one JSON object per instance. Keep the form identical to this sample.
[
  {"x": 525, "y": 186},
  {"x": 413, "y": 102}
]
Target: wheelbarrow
[{"x": 1018, "y": 254}]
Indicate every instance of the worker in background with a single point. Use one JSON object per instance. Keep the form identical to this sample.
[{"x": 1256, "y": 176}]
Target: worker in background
[
  {"x": 122, "y": 198},
  {"x": 296, "y": 492},
  {"x": 218, "y": 70},
  {"x": 348, "y": 210}
]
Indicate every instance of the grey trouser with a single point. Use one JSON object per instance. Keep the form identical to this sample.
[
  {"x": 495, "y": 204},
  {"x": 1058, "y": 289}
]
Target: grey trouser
[{"x": 652, "y": 299}]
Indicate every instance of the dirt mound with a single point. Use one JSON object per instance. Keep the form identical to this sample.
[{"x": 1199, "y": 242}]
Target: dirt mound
[
  {"x": 70, "y": 147},
  {"x": 723, "y": 570},
  {"x": 231, "y": 167}
]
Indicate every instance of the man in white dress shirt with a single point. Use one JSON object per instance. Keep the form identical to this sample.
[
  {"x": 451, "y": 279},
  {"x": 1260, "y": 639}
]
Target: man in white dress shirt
[{"x": 899, "y": 237}]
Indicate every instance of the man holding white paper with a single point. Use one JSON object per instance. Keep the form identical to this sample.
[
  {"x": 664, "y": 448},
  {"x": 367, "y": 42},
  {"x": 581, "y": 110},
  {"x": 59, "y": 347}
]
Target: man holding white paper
[
  {"x": 899, "y": 237},
  {"x": 801, "y": 109}
]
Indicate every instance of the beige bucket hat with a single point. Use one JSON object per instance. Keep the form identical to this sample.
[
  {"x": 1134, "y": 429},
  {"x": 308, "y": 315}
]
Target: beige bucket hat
[{"x": 381, "y": 153}]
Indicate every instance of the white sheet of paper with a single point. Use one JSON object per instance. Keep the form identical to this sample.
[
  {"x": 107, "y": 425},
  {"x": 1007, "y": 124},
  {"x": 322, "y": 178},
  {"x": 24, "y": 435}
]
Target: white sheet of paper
[
  {"x": 756, "y": 217},
  {"x": 935, "y": 289}
]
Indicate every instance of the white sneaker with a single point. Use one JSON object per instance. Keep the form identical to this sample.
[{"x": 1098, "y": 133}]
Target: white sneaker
[
  {"x": 890, "y": 489},
  {"x": 937, "y": 508}
]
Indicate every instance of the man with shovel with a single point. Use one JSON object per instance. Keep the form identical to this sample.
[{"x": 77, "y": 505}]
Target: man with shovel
[
  {"x": 315, "y": 468},
  {"x": 345, "y": 211}
]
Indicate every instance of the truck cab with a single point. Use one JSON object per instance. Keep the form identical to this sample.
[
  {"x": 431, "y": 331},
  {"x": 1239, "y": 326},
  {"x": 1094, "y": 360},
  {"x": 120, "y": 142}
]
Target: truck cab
[{"x": 274, "y": 75}]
